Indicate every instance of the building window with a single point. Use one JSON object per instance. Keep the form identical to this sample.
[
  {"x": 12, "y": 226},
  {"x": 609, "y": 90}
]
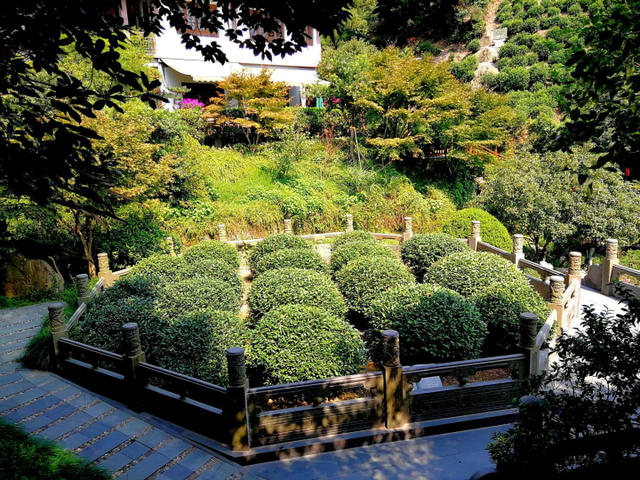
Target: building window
[{"x": 309, "y": 36}]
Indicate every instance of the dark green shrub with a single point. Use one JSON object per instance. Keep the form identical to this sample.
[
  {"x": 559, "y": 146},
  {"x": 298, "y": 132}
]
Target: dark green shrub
[
  {"x": 510, "y": 49},
  {"x": 531, "y": 25},
  {"x": 474, "y": 45},
  {"x": 314, "y": 119},
  {"x": 428, "y": 48},
  {"x": 539, "y": 72},
  {"x": 355, "y": 236},
  {"x": 424, "y": 249},
  {"x": 342, "y": 255},
  {"x": 491, "y": 230},
  {"x": 534, "y": 12},
  {"x": 517, "y": 61},
  {"x": 500, "y": 305},
  {"x": 491, "y": 80},
  {"x": 307, "y": 259},
  {"x": 288, "y": 286},
  {"x": 465, "y": 69},
  {"x": 516, "y": 78},
  {"x": 531, "y": 58},
  {"x": 553, "y": 11},
  {"x": 471, "y": 273},
  {"x": 513, "y": 26},
  {"x": 195, "y": 344},
  {"x": 197, "y": 294},
  {"x": 213, "y": 250},
  {"x": 504, "y": 15},
  {"x": 559, "y": 56},
  {"x": 527, "y": 39},
  {"x": 574, "y": 9},
  {"x": 544, "y": 47},
  {"x": 274, "y": 243},
  {"x": 294, "y": 343},
  {"x": 362, "y": 279},
  {"x": 435, "y": 324}
]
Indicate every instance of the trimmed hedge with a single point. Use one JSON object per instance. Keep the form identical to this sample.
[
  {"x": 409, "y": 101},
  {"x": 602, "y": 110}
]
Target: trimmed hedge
[
  {"x": 471, "y": 273},
  {"x": 294, "y": 343},
  {"x": 422, "y": 250},
  {"x": 197, "y": 294},
  {"x": 307, "y": 259},
  {"x": 213, "y": 250},
  {"x": 287, "y": 286},
  {"x": 355, "y": 236},
  {"x": 491, "y": 230},
  {"x": 435, "y": 324},
  {"x": 196, "y": 344},
  {"x": 347, "y": 252},
  {"x": 274, "y": 243},
  {"x": 500, "y": 305},
  {"x": 363, "y": 279}
]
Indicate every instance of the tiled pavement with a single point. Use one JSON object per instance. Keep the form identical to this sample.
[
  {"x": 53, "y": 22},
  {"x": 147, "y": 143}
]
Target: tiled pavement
[{"x": 134, "y": 446}]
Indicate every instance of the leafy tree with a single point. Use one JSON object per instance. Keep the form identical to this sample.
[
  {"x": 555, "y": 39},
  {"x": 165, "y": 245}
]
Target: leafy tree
[{"x": 259, "y": 105}]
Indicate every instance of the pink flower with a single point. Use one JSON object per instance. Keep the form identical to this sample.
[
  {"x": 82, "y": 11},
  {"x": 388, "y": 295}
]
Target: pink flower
[{"x": 190, "y": 103}]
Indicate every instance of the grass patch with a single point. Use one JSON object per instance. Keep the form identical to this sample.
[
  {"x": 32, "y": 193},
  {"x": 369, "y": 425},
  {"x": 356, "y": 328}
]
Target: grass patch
[{"x": 25, "y": 457}]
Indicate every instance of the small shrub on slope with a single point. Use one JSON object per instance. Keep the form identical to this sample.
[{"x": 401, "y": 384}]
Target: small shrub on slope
[
  {"x": 345, "y": 253},
  {"x": 491, "y": 230},
  {"x": 422, "y": 250},
  {"x": 306, "y": 259},
  {"x": 213, "y": 250},
  {"x": 273, "y": 243},
  {"x": 355, "y": 236}
]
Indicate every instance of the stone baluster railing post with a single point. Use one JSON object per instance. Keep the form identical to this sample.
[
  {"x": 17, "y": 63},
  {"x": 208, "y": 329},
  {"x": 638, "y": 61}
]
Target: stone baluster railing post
[
  {"x": 132, "y": 357},
  {"x": 288, "y": 227},
  {"x": 222, "y": 232},
  {"x": 518, "y": 249},
  {"x": 408, "y": 229},
  {"x": 237, "y": 411},
  {"x": 171, "y": 246},
  {"x": 58, "y": 329},
  {"x": 82, "y": 282},
  {"x": 556, "y": 301},
  {"x": 395, "y": 391},
  {"x": 475, "y": 235},
  {"x": 528, "y": 336},
  {"x": 575, "y": 273},
  {"x": 610, "y": 259},
  {"x": 104, "y": 271},
  {"x": 349, "y": 227}
]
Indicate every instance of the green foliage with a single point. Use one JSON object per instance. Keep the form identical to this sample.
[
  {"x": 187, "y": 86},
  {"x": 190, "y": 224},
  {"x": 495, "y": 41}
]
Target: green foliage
[
  {"x": 37, "y": 353},
  {"x": 474, "y": 45},
  {"x": 213, "y": 250},
  {"x": 274, "y": 243},
  {"x": 435, "y": 324},
  {"x": 355, "y": 236},
  {"x": 294, "y": 343},
  {"x": 491, "y": 230},
  {"x": 631, "y": 259},
  {"x": 539, "y": 72},
  {"x": 465, "y": 69},
  {"x": 364, "y": 278},
  {"x": 471, "y": 273},
  {"x": 303, "y": 258},
  {"x": 500, "y": 305},
  {"x": 294, "y": 286},
  {"x": 196, "y": 344},
  {"x": 422, "y": 250},
  {"x": 428, "y": 48},
  {"x": 26, "y": 457},
  {"x": 197, "y": 294},
  {"x": 515, "y": 78},
  {"x": 348, "y": 252}
]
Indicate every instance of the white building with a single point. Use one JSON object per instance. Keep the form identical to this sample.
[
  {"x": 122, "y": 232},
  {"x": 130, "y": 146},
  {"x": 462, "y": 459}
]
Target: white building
[{"x": 181, "y": 67}]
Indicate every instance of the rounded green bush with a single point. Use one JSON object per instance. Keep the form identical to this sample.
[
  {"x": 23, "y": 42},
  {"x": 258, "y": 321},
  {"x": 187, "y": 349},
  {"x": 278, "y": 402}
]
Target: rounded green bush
[
  {"x": 474, "y": 45},
  {"x": 294, "y": 343},
  {"x": 306, "y": 259},
  {"x": 342, "y": 255},
  {"x": 435, "y": 324},
  {"x": 491, "y": 230},
  {"x": 355, "y": 236},
  {"x": 471, "y": 273},
  {"x": 274, "y": 243},
  {"x": 289, "y": 286},
  {"x": 213, "y": 250},
  {"x": 196, "y": 344},
  {"x": 364, "y": 278},
  {"x": 197, "y": 294},
  {"x": 422, "y": 250}
]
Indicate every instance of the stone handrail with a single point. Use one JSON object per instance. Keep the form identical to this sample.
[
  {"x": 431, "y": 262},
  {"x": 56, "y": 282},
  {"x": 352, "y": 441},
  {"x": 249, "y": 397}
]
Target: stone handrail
[{"x": 487, "y": 247}]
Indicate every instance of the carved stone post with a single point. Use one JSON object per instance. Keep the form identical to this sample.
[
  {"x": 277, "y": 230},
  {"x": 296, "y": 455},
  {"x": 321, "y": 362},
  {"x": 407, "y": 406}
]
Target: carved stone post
[
  {"x": 104, "y": 271},
  {"x": 528, "y": 335},
  {"x": 395, "y": 391},
  {"x": 132, "y": 357},
  {"x": 518, "y": 249},
  {"x": 58, "y": 329},
  {"x": 349, "y": 227},
  {"x": 237, "y": 411},
  {"x": 408, "y": 229},
  {"x": 575, "y": 273},
  {"x": 82, "y": 281},
  {"x": 475, "y": 235},
  {"x": 556, "y": 302},
  {"x": 288, "y": 228},
  {"x": 610, "y": 259},
  {"x": 222, "y": 232},
  {"x": 171, "y": 246}
]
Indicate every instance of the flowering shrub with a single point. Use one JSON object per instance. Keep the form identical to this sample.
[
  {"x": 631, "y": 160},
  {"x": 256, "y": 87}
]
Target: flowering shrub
[{"x": 190, "y": 103}]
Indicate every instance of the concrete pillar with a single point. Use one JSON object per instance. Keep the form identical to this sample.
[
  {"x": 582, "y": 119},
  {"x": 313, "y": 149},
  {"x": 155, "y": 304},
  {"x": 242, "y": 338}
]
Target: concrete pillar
[
  {"x": 527, "y": 341},
  {"x": 222, "y": 232},
  {"x": 408, "y": 229},
  {"x": 518, "y": 249},
  {"x": 395, "y": 391},
  {"x": 236, "y": 412},
  {"x": 556, "y": 302},
  {"x": 349, "y": 227},
  {"x": 104, "y": 271},
  {"x": 575, "y": 273},
  {"x": 475, "y": 235},
  {"x": 288, "y": 227},
  {"x": 58, "y": 329},
  {"x": 82, "y": 282},
  {"x": 132, "y": 357},
  {"x": 610, "y": 259}
]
